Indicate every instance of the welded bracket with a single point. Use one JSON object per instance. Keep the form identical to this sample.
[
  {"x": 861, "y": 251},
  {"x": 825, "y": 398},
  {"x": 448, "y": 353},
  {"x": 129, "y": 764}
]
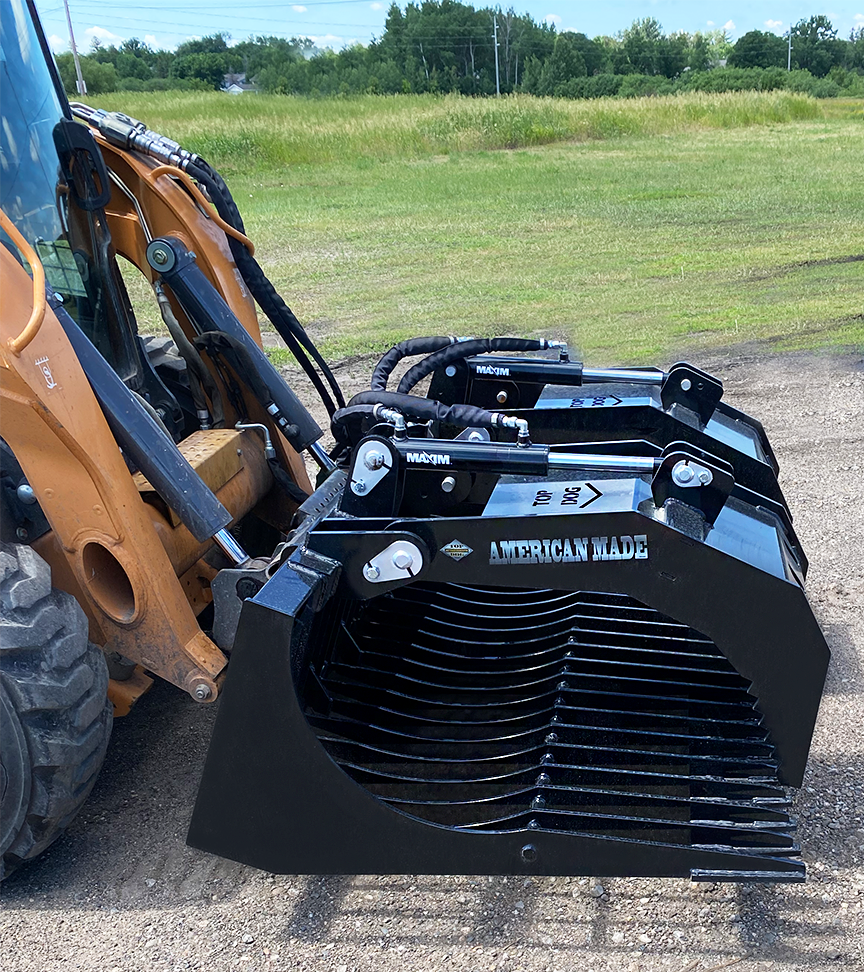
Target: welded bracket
[
  {"x": 692, "y": 388},
  {"x": 397, "y": 561},
  {"x": 693, "y": 477},
  {"x": 373, "y": 481}
]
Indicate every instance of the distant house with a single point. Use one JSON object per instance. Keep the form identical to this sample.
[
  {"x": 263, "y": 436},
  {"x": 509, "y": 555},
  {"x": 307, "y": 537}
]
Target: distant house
[{"x": 236, "y": 84}]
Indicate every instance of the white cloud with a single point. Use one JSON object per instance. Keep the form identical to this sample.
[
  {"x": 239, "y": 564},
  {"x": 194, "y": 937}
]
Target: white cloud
[
  {"x": 297, "y": 8},
  {"x": 327, "y": 40},
  {"x": 773, "y": 24},
  {"x": 710, "y": 23},
  {"x": 858, "y": 18},
  {"x": 104, "y": 36},
  {"x": 552, "y": 19},
  {"x": 150, "y": 40},
  {"x": 57, "y": 44},
  {"x": 729, "y": 25},
  {"x": 376, "y": 6}
]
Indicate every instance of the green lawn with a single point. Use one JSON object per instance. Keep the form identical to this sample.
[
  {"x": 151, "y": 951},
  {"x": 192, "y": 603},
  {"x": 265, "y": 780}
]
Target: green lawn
[{"x": 633, "y": 247}]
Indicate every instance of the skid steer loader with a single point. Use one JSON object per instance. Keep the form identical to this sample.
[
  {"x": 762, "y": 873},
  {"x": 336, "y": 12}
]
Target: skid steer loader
[{"x": 547, "y": 620}]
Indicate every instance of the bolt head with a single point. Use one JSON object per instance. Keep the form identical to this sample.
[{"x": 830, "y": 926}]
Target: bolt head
[
  {"x": 25, "y": 494},
  {"x": 705, "y": 477},
  {"x": 683, "y": 474},
  {"x": 501, "y": 397},
  {"x": 371, "y": 572},
  {"x": 475, "y": 437},
  {"x": 448, "y": 484},
  {"x": 160, "y": 256},
  {"x": 359, "y": 486},
  {"x": 21, "y": 533},
  {"x": 402, "y": 559},
  {"x": 686, "y": 384},
  {"x": 202, "y": 692},
  {"x": 450, "y": 370},
  {"x": 373, "y": 459}
]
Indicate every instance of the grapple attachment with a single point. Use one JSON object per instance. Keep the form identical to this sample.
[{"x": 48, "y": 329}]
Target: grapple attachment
[{"x": 480, "y": 657}]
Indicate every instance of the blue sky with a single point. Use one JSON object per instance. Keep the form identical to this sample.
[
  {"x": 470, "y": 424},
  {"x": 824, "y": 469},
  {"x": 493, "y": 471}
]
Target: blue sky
[{"x": 334, "y": 23}]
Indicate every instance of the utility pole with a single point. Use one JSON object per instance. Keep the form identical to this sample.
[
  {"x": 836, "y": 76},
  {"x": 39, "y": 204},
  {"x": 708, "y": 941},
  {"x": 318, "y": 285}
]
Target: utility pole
[
  {"x": 789, "y": 55},
  {"x": 497, "y": 74},
  {"x": 82, "y": 88}
]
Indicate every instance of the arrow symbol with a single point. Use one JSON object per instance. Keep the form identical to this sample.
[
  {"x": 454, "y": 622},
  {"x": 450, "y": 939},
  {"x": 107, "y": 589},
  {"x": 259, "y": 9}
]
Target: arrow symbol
[
  {"x": 597, "y": 493},
  {"x": 616, "y": 402}
]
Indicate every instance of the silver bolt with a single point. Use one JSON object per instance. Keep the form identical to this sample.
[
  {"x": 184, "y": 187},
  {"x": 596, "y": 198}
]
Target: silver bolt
[
  {"x": 476, "y": 437},
  {"x": 450, "y": 370},
  {"x": 501, "y": 397},
  {"x": 202, "y": 692},
  {"x": 682, "y": 474},
  {"x": 447, "y": 484},
  {"x": 359, "y": 486},
  {"x": 371, "y": 572},
  {"x": 160, "y": 256},
  {"x": 686, "y": 384},
  {"x": 25, "y": 494},
  {"x": 373, "y": 460},
  {"x": 402, "y": 560},
  {"x": 705, "y": 477}
]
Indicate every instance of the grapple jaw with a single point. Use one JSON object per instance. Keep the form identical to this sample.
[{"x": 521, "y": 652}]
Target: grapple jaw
[{"x": 610, "y": 674}]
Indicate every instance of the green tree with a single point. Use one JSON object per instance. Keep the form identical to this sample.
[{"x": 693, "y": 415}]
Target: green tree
[
  {"x": 565, "y": 64},
  {"x": 208, "y": 68},
  {"x": 759, "y": 48},
  {"x": 98, "y": 77},
  {"x": 130, "y": 66},
  {"x": 212, "y": 44},
  {"x": 641, "y": 43},
  {"x": 854, "y": 54},
  {"x": 815, "y": 47}
]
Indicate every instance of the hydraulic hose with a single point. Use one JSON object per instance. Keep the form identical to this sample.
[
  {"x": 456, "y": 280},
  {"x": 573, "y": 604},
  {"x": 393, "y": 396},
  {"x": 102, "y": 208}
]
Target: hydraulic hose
[
  {"x": 407, "y": 349},
  {"x": 465, "y": 349},
  {"x": 268, "y": 298},
  {"x": 218, "y": 342},
  {"x": 369, "y": 405},
  {"x": 200, "y": 380}
]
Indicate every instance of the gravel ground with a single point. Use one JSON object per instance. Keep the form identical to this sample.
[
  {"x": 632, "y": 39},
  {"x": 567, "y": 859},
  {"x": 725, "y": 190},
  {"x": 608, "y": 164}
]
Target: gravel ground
[{"x": 122, "y": 890}]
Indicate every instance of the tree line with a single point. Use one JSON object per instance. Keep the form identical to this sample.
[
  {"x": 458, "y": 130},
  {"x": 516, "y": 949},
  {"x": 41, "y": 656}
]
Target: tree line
[{"x": 446, "y": 46}]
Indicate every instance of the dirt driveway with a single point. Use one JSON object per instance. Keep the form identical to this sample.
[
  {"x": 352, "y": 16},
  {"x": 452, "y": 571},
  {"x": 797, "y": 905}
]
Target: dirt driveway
[{"x": 122, "y": 890}]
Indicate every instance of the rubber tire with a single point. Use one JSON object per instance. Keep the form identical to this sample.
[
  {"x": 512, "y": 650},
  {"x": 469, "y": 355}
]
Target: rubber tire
[{"x": 56, "y": 717}]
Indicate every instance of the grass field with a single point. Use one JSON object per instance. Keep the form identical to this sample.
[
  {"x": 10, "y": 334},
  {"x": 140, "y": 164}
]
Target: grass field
[{"x": 635, "y": 229}]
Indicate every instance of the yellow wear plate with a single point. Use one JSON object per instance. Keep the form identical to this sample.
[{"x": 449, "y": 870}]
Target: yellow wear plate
[{"x": 215, "y": 454}]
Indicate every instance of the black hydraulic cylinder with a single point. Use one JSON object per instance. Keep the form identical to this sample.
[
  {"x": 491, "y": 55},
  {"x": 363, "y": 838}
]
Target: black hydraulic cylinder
[
  {"x": 498, "y": 457},
  {"x": 148, "y": 446},
  {"x": 209, "y": 312}
]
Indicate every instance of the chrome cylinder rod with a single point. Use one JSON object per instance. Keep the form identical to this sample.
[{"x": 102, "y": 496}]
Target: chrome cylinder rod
[
  {"x": 622, "y": 464},
  {"x": 634, "y": 376},
  {"x": 231, "y": 548}
]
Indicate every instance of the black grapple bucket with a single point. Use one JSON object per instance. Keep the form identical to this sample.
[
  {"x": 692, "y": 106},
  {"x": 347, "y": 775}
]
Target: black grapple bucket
[{"x": 566, "y": 672}]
